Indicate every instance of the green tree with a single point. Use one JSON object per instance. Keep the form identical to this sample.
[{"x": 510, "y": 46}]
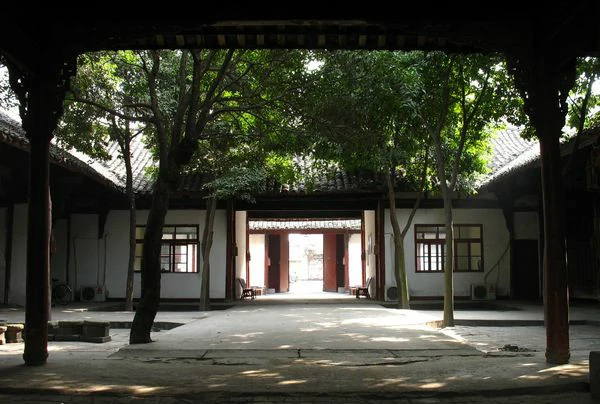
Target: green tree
[
  {"x": 197, "y": 96},
  {"x": 102, "y": 107},
  {"x": 583, "y": 103},
  {"x": 8, "y": 99},
  {"x": 363, "y": 114},
  {"x": 465, "y": 96}
]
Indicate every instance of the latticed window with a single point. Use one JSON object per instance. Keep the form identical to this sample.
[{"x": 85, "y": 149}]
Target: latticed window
[
  {"x": 178, "y": 251},
  {"x": 430, "y": 247}
]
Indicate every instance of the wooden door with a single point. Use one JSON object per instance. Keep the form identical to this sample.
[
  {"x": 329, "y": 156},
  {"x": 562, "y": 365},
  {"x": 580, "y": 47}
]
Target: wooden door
[
  {"x": 340, "y": 261},
  {"x": 329, "y": 263},
  {"x": 284, "y": 263},
  {"x": 526, "y": 273},
  {"x": 273, "y": 261}
]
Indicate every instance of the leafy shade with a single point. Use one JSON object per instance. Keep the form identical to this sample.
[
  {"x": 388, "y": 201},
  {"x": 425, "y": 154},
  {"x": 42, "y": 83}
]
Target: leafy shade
[
  {"x": 239, "y": 182},
  {"x": 362, "y": 111}
]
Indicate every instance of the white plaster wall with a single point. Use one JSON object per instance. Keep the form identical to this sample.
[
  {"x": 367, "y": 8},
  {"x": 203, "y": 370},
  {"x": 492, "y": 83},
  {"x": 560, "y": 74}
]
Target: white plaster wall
[
  {"x": 116, "y": 234},
  {"x": 526, "y": 226},
  {"x": 86, "y": 255},
  {"x": 240, "y": 242},
  {"x": 257, "y": 259},
  {"x": 370, "y": 267},
  {"x": 495, "y": 241},
  {"x": 173, "y": 285},
  {"x": 58, "y": 259},
  {"x": 354, "y": 261},
  {"x": 19, "y": 256},
  {"x": 2, "y": 252}
]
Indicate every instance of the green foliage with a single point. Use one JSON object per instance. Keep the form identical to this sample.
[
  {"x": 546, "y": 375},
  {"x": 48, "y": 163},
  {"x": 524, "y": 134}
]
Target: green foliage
[
  {"x": 81, "y": 129},
  {"x": 238, "y": 182},
  {"x": 103, "y": 102},
  {"x": 251, "y": 119},
  {"x": 376, "y": 110},
  {"x": 282, "y": 169},
  {"x": 476, "y": 94},
  {"x": 8, "y": 99},
  {"x": 588, "y": 72},
  {"x": 362, "y": 109},
  {"x": 248, "y": 112}
]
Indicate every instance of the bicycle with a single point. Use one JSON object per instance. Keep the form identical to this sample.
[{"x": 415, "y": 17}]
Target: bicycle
[{"x": 61, "y": 293}]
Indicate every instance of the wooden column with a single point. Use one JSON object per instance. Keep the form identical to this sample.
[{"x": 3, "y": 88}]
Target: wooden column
[
  {"x": 556, "y": 299},
  {"x": 40, "y": 90},
  {"x": 231, "y": 252},
  {"x": 544, "y": 77}
]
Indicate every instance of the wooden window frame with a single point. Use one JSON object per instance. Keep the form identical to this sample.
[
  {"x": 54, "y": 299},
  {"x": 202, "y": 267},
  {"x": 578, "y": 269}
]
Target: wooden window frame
[
  {"x": 440, "y": 243},
  {"x": 172, "y": 244}
]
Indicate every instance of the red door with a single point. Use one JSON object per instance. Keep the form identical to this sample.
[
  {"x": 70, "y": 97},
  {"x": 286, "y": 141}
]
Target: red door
[
  {"x": 329, "y": 263},
  {"x": 273, "y": 262},
  {"x": 284, "y": 263}
]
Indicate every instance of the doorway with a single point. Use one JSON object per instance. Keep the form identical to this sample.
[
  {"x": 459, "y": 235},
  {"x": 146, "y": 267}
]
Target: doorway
[
  {"x": 526, "y": 275},
  {"x": 306, "y": 262},
  {"x": 304, "y": 256}
]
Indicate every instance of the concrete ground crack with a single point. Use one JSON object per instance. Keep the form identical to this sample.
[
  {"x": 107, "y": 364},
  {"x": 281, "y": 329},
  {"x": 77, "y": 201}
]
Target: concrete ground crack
[{"x": 390, "y": 363}]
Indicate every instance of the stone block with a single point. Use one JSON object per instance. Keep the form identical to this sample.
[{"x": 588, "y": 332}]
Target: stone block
[
  {"x": 69, "y": 328},
  {"x": 96, "y": 328},
  {"x": 67, "y": 337},
  {"x": 85, "y": 338},
  {"x": 52, "y": 330},
  {"x": 14, "y": 333}
]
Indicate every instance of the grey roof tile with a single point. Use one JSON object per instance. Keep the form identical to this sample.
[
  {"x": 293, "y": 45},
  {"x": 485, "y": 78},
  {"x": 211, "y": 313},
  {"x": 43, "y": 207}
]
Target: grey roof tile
[
  {"x": 512, "y": 154},
  {"x": 11, "y": 132}
]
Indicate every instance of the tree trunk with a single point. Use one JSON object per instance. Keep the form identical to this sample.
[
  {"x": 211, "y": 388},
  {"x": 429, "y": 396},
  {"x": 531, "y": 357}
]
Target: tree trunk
[
  {"x": 399, "y": 264},
  {"x": 400, "y": 270},
  {"x": 150, "y": 296},
  {"x": 448, "y": 262},
  {"x": 132, "y": 228},
  {"x": 207, "y": 239}
]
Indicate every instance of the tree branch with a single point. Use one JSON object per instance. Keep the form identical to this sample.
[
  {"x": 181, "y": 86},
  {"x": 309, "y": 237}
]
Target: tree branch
[
  {"x": 182, "y": 99},
  {"x": 436, "y": 133},
  {"x": 210, "y": 94},
  {"x": 111, "y": 111},
  {"x": 419, "y": 195},
  {"x": 467, "y": 119},
  {"x": 580, "y": 124}
]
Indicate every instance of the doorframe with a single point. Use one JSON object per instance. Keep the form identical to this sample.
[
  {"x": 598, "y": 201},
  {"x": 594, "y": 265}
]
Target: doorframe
[{"x": 284, "y": 248}]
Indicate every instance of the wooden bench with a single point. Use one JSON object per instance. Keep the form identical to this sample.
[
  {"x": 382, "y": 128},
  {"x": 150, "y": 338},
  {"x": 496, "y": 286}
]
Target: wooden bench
[
  {"x": 246, "y": 291},
  {"x": 364, "y": 290}
]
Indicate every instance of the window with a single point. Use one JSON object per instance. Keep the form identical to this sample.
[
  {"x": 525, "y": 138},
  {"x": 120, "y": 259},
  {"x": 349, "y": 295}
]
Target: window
[
  {"x": 178, "y": 251},
  {"x": 468, "y": 247},
  {"x": 430, "y": 247}
]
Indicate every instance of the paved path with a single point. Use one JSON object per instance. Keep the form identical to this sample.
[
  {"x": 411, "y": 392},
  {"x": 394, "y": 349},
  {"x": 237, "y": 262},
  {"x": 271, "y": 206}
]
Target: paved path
[
  {"x": 314, "y": 353},
  {"x": 220, "y": 398}
]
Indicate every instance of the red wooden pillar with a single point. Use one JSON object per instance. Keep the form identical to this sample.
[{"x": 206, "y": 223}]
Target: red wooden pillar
[
  {"x": 40, "y": 90},
  {"x": 284, "y": 263},
  {"x": 556, "y": 299},
  {"x": 544, "y": 77}
]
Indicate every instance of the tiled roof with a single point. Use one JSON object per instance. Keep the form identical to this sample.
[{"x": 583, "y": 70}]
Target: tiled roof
[
  {"x": 507, "y": 146},
  {"x": 12, "y": 133},
  {"x": 141, "y": 159},
  {"x": 332, "y": 180},
  {"x": 512, "y": 154},
  {"x": 305, "y": 224}
]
